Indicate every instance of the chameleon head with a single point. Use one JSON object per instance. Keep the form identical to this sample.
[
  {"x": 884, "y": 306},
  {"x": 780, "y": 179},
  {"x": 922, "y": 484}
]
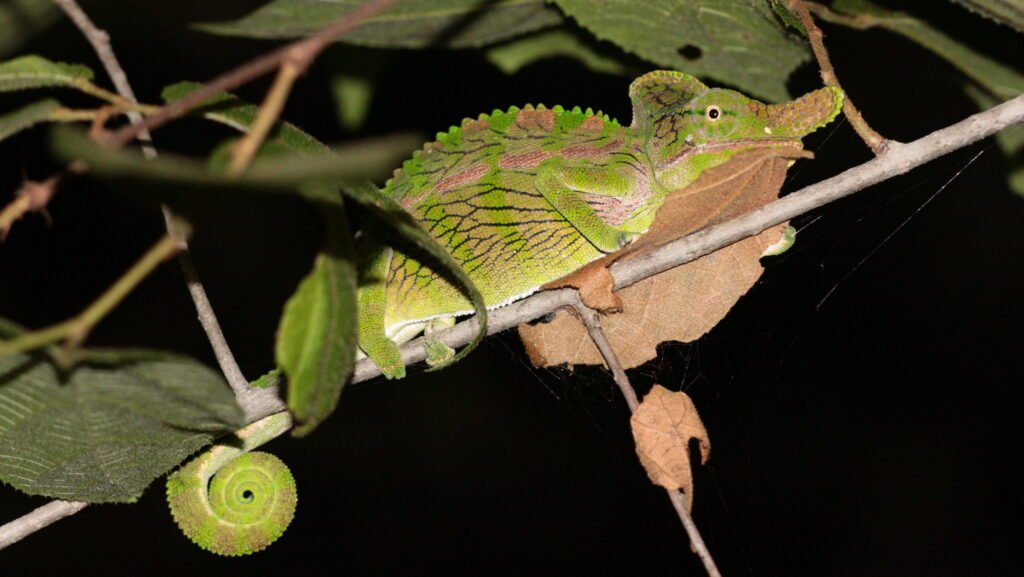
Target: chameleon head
[{"x": 689, "y": 127}]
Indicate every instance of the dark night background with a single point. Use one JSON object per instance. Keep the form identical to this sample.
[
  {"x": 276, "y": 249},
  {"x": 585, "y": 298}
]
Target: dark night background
[{"x": 875, "y": 434}]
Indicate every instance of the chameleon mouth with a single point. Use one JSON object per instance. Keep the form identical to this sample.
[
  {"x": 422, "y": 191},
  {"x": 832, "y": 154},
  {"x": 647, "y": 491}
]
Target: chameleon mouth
[
  {"x": 788, "y": 147},
  {"x": 748, "y": 143}
]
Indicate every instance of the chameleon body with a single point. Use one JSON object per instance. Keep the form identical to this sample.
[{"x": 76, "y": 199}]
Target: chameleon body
[
  {"x": 520, "y": 198},
  {"x": 231, "y": 501},
  {"x": 525, "y": 196}
]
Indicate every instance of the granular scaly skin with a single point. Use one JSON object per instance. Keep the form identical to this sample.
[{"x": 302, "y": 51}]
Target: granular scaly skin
[
  {"x": 233, "y": 502},
  {"x": 473, "y": 190},
  {"x": 525, "y": 196}
]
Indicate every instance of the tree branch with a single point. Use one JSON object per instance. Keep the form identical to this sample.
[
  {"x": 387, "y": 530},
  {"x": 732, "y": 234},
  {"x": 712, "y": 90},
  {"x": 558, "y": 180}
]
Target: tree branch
[
  {"x": 898, "y": 159},
  {"x": 591, "y": 319},
  {"x": 25, "y": 525},
  {"x": 300, "y": 52}
]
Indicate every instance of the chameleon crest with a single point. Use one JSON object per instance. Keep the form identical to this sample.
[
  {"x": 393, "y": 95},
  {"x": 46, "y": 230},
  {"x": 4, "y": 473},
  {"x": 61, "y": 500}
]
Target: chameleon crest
[{"x": 525, "y": 196}]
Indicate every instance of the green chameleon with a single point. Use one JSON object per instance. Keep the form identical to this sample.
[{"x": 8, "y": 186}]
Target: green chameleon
[
  {"x": 526, "y": 196},
  {"x": 520, "y": 198}
]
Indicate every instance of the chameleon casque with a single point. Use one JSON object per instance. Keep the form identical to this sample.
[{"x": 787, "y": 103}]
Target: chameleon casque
[{"x": 520, "y": 198}]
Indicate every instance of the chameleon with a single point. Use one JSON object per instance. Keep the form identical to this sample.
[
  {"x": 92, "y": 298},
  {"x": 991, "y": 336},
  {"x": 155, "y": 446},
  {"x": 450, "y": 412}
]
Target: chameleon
[
  {"x": 525, "y": 196},
  {"x": 519, "y": 198}
]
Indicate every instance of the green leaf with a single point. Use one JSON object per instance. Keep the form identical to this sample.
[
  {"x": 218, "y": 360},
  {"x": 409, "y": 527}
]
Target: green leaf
[
  {"x": 998, "y": 79},
  {"x": 102, "y": 433},
  {"x": 515, "y": 54},
  {"x": 273, "y": 378},
  {"x": 21, "y": 19},
  {"x": 291, "y": 175},
  {"x": 316, "y": 339},
  {"x": 37, "y": 72},
  {"x": 26, "y": 117},
  {"x": 353, "y": 75},
  {"x": 1008, "y": 12},
  {"x": 738, "y": 42},
  {"x": 352, "y": 98},
  {"x": 232, "y": 111},
  {"x": 787, "y": 17},
  {"x": 453, "y": 23}
]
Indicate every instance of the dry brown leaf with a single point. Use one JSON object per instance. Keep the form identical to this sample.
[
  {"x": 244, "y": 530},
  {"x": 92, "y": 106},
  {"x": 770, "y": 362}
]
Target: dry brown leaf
[
  {"x": 662, "y": 426},
  {"x": 681, "y": 304}
]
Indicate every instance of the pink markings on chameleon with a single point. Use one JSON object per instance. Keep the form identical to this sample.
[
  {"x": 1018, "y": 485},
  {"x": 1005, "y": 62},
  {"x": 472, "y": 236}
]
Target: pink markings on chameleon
[
  {"x": 614, "y": 210},
  {"x": 523, "y": 160},
  {"x": 536, "y": 119},
  {"x": 466, "y": 176},
  {"x": 470, "y": 126},
  {"x": 592, "y": 123}
]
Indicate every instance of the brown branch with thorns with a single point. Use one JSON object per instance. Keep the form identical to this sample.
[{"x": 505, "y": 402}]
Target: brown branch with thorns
[{"x": 875, "y": 141}]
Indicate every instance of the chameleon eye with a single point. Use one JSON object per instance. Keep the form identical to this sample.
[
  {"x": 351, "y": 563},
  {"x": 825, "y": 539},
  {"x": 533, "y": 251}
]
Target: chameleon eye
[{"x": 713, "y": 112}]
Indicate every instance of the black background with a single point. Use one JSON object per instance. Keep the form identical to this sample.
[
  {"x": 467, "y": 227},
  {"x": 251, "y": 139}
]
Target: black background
[{"x": 874, "y": 433}]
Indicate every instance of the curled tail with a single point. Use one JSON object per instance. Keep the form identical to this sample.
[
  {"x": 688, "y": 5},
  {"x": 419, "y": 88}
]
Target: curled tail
[{"x": 231, "y": 501}]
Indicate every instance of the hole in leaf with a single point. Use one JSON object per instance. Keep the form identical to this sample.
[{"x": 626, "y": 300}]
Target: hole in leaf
[{"x": 691, "y": 52}]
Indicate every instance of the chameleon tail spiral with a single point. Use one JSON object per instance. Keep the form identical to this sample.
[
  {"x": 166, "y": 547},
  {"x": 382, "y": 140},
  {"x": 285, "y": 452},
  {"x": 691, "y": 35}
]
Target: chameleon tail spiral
[{"x": 233, "y": 502}]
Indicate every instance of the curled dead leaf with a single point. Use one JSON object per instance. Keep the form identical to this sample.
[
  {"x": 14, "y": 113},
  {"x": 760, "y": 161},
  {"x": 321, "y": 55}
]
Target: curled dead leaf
[
  {"x": 681, "y": 304},
  {"x": 663, "y": 426}
]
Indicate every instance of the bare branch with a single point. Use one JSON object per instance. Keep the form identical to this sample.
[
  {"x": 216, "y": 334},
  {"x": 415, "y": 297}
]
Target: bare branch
[
  {"x": 25, "y": 525},
  {"x": 592, "y": 320},
  {"x": 307, "y": 49},
  {"x": 895, "y": 161},
  {"x": 699, "y": 547}
]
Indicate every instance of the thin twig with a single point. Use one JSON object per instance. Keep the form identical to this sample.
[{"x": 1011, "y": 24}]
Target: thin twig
[
  {"x": 895, "y": 161},
  {"x": 307, "y": 49},
  {"x": 246, "y": 148},
  {"x": 701, "y": 548},
  {"x": 592, "y": 321},
  {"x": 100, "y": 42},
  {"x": 31, "y": 197},
  {"x": 27, "y": 524},
  {"x": 875, "y": 141}
]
